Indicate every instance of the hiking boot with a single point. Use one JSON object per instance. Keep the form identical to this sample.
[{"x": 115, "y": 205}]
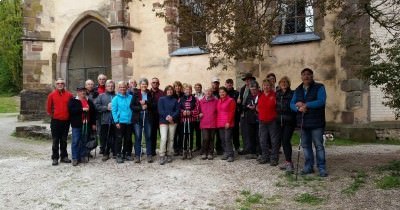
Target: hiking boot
[
  {"x": 120, "y": 159},
  {"x": 105, "y": 157},
  {"x": 204, "y": 157},
  {"x": 274, "y": 163},
  {"x": 149, "y": 158},
  {"x": 65, "y": 160},
  {"x": 128, "y": 158},
  {"x": 55, "y": 162},
  {"x": 259, "y": 157},
  {"x": 230, "y": 159},
  {"x": 190, "y": 155},
  {"x": 241, "y": 152},
  {"x": 184, "y": 156},
  {"x": 163, "y": 160},
  {"x": 224, "y": 157},
  {"x": 85, "y": 160},
  {"x": 211, "y": 157},
  {"x": 137, "y": 159},
  {"x": 74, "y": 162},
  {"x": 323, "y": 173},
  {"x": 263, "y": 161},
  {"x": 169, "y": 158}
]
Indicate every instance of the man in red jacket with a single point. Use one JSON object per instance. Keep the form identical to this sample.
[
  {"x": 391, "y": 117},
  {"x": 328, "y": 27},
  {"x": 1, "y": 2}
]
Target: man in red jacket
[{"x": 57, "y": 108}]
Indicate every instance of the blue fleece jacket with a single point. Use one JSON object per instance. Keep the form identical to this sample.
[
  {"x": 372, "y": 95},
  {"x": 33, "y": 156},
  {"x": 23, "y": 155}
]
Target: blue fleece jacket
[
  {"x": 168, "y": 105},
  {"x": 121, "y": 110}
]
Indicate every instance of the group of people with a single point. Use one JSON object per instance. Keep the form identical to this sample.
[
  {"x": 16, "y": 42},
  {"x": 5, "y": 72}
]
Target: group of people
[{"x": 266, "y": 118}]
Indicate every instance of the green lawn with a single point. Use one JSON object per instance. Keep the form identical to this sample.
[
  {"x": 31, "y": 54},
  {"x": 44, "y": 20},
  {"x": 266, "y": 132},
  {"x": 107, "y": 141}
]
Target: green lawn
[{"x": 8, "y": 104}]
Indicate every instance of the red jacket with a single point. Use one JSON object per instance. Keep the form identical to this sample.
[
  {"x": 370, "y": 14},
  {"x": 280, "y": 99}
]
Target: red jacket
[
  {"x": 209, "y": 110},
  {"x": 226, "y": 112},
  {"x": 267, "y": 107},
  {"x": 57, "y": 104}
]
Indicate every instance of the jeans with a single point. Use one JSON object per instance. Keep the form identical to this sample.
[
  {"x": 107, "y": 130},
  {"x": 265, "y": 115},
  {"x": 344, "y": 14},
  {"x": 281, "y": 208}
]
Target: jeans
[
  {"x": 308, "y": 137},
  {"x": 124, "y": 134},
  {"x": 107, "y": 139},
  {"x": 167, "y": 132},
  {"x": 226, "y": 140},
  {"x": 208, "y": 141},
  {"x": 147, "y": 134},
  {"x": 59, "y": 134},
  {"x": 78, "y": 145},
  {"x": 269, "y": 131}
]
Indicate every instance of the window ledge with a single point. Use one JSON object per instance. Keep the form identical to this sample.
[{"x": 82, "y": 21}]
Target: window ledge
[
  {"x": 295, "y": 38},
  {"x": 185, "y": 51}
]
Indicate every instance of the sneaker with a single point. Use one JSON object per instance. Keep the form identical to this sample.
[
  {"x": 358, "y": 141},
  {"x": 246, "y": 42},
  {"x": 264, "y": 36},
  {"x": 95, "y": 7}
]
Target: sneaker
[
  {"x": 65, "y": 160},
  {"x": 274, "y": 163},
  {"x": 137, "y": 159},
  {"x": 149, "y": 158},
  {"x": 169, "y": 159},
  {"x": 120, "y": 159},
  {"x": 211, "y": 157},
  {"x": 55, "y": 162},
  {"x": 74, "y": 162},
  {"x": 259, "y": 158},
  {"x": 204, "y": 157},
  {"x": 128, "y": 158},
  {"x": 224, "y": 157},
  {"x": 105, "y": 157},
  {"x": 230, "y": 159}
]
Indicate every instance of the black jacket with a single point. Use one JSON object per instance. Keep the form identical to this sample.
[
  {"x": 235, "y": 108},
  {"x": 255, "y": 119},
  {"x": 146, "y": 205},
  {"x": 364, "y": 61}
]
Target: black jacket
[
  {"x": 137, "y": 108},
  {"x": 76, "y": 112},
  {"x": 285, "y": 114}
]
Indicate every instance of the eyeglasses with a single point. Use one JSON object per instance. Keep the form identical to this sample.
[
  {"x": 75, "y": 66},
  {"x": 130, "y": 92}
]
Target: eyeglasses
[
  {"x": 60, "y": 83},
  {"x": 102, "y": 79},
  {"x": 155, "y": 82}
]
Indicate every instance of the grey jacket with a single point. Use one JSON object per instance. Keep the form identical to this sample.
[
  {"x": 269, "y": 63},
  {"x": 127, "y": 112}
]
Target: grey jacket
[{"x": 101, "y": 104}]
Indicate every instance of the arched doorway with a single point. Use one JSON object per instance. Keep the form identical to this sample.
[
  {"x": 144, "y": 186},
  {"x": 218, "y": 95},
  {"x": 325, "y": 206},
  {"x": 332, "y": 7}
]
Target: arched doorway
[{"x": 89, "y": 55}]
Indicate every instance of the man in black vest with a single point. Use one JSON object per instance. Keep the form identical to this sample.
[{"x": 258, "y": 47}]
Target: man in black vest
[{"x": 309, "y": 101}]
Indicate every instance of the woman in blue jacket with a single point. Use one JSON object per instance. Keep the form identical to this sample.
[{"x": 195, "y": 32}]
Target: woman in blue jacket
[
  {"x": 169, "y": 113},
  {"x": 122, "y": 115}
]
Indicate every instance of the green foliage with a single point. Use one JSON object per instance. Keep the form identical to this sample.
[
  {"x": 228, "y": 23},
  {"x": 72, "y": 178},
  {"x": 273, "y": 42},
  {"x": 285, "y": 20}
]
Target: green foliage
[
  {"x": 8, "y": 105},
  {"x": 310, "y": 199},
  {"x": 10, "y": 46},
  {"x": 391, "y": 179},
  {"x": 359, "y": 181},
  {"x": 249, "y": 200}
]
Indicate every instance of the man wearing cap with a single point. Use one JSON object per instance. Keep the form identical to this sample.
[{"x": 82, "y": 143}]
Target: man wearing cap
[
  {"x": 309, "y": 101},
  {"x": 57, "y": 109},
  {"x": 215, "y": 86},
  {"x": 83, "y": 121},
  {"x": 241, "y": 101},
  {"x": 234, "y": 94}
]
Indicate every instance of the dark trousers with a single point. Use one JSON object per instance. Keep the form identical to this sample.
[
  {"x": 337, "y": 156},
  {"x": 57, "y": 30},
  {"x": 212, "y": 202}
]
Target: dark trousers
[
  {"x": 124, "y": 135},
  {"x": 177, "y": 138},
  {"x": 107, "y": 139},
  {"x": 155, "y": 128},
  {"x": 244, "y": 131},
  {"x": 218, "y": 143},
  {"x": 197, "y": 129},
  {"x": 226, "y": 139},
  {"x": 253, "y": 138},
  {"x": 286, "y": 133},
  {"x": 186, "y": 133},
  {"x": 208, "y": 141},
  {"x": 235, "y": 134},
  {"x": 59, "y": 134},
  {"x": 266, "y": 130}
]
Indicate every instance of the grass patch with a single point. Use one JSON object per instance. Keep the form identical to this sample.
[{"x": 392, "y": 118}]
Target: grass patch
[
  {"x": 249, "y": 201},
  {"x": 289, "y": 180},
  {"x": 391, "y": 179},
  {"x": 359, "y": 181},
  {"x": 310, "y": 199},
  {"x": 8, "y": 104}
]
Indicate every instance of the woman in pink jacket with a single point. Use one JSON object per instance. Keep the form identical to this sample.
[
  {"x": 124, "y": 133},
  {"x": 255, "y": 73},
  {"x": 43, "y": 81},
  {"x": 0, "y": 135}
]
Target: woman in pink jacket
[
  {"x": 208, "y": 114},
  {"x": 225, "y": 122}
]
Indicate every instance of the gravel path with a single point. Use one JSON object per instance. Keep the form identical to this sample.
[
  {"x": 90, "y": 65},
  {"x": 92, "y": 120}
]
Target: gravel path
[{"x": 28, "y": 181}]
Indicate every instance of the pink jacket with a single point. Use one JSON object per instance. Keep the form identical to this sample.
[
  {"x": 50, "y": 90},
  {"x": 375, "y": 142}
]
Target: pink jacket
[
  {"x": 226, "y": 112},
  {"x": 209, "y": 110}
]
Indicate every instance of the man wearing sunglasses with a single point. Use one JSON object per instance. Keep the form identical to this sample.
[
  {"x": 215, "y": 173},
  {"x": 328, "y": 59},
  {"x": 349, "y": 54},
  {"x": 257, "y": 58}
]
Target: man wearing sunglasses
[
  {"x": 156, "y": 94},
  {"x": 57, "y": 109}
]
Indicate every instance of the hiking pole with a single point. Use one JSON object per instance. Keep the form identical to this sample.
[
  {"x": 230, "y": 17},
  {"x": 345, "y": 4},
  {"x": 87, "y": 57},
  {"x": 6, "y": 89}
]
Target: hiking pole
[
  {"x": 189, "y": 140},
  {"x": 143, "y": 134},
  {"x": 184, "y": 135},
  {"x": 298, "y": 150}
]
